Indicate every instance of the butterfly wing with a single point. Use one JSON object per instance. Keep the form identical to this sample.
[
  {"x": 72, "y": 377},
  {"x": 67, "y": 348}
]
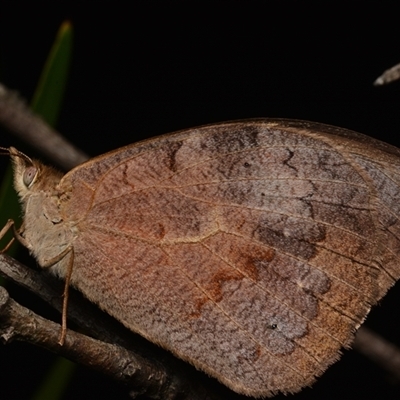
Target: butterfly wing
[{"x": 251, "y": 249}]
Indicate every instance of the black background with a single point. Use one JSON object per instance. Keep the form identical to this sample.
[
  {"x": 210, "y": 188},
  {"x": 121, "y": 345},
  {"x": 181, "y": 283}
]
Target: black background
[{"x": 146, "y": 68}]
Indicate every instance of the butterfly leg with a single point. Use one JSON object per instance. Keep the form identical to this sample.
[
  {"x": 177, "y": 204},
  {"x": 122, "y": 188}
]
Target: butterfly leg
[
  {"x": 68, "y": 275},
  {"x": 49, "y": 263},
  {"x": 5, "y": 229},
  {"x": 17, "y": 235}
]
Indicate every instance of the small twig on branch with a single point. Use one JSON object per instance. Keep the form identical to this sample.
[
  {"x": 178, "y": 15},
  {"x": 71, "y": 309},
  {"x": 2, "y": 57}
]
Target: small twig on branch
[
  {"x": 16, "y": 116},
  {"x": 379, "y": 350},
  {"x": 390, "y": 75}
]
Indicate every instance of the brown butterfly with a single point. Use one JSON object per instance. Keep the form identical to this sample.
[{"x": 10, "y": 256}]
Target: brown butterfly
[{"x": 250, "y": 249}]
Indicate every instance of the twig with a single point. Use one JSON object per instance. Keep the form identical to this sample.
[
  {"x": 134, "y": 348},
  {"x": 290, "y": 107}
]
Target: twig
[
  {"x": 379, "y": 350},
  {"x": 16, "y": 116},
  {"x": 390, "y": 75}
]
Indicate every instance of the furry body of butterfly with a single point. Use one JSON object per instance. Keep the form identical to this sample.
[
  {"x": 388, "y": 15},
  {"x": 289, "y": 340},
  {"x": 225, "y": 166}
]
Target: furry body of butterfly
[{"x": 251, "y": 249}]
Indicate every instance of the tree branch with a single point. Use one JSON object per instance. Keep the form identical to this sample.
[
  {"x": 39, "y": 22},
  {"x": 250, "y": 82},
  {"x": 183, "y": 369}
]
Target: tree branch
[
  {"x": 16, "y": 116},
  {"x": 388, "y": 76},
  {"x": 379, "y": 350}
]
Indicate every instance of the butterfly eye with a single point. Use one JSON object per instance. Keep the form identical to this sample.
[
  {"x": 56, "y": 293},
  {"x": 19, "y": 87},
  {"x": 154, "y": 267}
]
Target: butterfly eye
[{"x": 29, "y": 176}]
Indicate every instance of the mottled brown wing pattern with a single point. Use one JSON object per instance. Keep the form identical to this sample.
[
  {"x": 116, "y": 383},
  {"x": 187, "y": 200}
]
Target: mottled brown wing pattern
[{"x": 251, "y": 249}]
